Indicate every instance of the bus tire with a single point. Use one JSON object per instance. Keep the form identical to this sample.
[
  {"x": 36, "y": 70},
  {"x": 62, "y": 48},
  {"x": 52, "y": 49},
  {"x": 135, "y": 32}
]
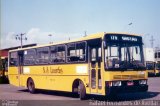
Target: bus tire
[
  {"x": 82, "y": 91},
  {"x": 31, "y": 85}
]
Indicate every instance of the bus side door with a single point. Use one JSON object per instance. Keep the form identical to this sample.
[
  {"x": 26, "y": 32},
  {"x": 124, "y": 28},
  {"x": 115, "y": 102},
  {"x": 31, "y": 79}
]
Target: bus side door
[
  {"x": 95, "y": 70},
  {"x": 20, "y": 66}
]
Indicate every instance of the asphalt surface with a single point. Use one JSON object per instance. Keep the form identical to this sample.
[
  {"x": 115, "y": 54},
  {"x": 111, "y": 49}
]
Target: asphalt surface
[{"x": 18, "y": 96}]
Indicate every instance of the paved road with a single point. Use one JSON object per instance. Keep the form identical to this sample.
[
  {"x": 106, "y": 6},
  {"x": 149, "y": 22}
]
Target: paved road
[{"x": 20, "y": 96}]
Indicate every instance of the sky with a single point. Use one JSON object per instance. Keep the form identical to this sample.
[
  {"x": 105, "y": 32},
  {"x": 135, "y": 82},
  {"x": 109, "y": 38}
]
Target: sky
[{"x": 65, "y": 19}]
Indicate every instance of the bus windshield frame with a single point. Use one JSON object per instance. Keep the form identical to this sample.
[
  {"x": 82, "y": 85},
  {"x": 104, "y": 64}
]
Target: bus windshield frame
[{"x": 123, "y": 52}]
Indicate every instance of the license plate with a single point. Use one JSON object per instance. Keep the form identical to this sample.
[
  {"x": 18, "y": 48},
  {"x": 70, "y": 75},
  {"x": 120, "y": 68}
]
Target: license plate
[{"x": 130, "y": 83}]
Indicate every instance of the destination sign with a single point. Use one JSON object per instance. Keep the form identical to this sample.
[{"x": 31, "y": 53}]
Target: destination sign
[{"x": 123, "y": 38}]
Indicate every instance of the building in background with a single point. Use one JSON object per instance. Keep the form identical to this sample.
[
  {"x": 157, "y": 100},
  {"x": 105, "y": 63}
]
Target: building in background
[
  {"x": 4, "y": 52},
  {"x": 4, "y": 62},
  {"x": 149, "y": 54},
  {"x": 157, "y": 54}
]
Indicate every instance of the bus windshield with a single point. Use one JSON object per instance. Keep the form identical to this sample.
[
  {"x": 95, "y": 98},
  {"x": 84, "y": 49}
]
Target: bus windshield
[
  {"x": 123, "y": 52},
  {"x": 150, "y": 65}
]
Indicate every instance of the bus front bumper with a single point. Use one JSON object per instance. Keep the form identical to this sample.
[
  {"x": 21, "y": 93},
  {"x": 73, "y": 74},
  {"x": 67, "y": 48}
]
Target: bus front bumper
[{"x": 113, "y": 90}]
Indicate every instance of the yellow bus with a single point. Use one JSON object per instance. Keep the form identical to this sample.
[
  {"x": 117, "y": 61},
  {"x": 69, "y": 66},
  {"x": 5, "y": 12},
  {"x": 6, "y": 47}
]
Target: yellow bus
[
  {"x": 100, "y": 64},
  {"x": 153, "y": 68},
  {"x": 3, "y": 69},
  {"x": 157, "y": 68}
]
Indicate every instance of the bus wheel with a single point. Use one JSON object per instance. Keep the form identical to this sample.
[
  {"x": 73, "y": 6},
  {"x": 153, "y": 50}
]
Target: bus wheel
[
  {"x": 82, "y": 91},
  {"x": 31, "y": 85}
]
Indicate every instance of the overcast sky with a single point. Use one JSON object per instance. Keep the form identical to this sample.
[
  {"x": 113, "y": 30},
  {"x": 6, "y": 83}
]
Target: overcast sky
[{"x": 70, "y": 18}]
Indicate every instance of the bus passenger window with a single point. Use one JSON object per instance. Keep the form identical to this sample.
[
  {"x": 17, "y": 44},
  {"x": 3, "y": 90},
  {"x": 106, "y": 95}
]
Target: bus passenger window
[
  {"x": 61, "y": 54},
  {"x": 76, "y": 52},
  {"x": 80, "y": 49},
  {"x": 13, "y": 59},
  {"x": 43, "y": 55},
  {"x": 58, "y": 54},
  {"x": 53, "y": 54},
  {"x": 29, "y": 57}
]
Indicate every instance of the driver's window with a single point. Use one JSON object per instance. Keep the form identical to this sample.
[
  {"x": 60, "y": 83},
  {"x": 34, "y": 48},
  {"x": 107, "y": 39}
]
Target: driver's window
[
  {"x": 113, "y": 51},
  {"x": 111, "y": 57}
]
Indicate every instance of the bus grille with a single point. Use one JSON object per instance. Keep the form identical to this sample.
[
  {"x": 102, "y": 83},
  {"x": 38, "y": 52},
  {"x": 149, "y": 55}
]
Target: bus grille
[{"x": 129, "y": 77}]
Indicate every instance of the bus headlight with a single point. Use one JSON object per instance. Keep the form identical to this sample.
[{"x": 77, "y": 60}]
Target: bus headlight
[
  {"x": 116, "y": 83},
  {"x": 143, "y": 82}
]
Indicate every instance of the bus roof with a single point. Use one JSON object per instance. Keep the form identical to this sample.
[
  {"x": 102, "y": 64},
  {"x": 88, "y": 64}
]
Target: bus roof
[{"x": 88, "y": 37}]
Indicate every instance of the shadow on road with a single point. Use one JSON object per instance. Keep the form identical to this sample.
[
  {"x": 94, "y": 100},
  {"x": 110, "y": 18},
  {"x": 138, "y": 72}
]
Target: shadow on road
[
  {"x": 120, "y": 97},
  {"x": 128, "y": 96},
  {"x": 54, "y": 93}
]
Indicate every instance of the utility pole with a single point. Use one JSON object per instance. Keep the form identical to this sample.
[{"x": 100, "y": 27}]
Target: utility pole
[
  {"x": 20, "y": 37},
  {"x": 152, "y": 41}
]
